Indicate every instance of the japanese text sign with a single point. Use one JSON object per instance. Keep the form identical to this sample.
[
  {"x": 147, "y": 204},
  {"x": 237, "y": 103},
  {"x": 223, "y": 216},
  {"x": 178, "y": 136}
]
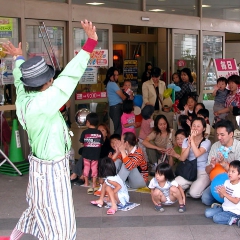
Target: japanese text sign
[
  {"x": 98, "y": 58},
  {"x": 226, "y": 67},
  {"x": 90, "y": 95}
]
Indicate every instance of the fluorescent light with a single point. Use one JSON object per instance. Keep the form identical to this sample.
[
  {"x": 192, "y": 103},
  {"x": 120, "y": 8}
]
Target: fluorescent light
[
  {"x": 95, "y": 3},
  {"x": 206, "y": 6},
  {"x": 156, "y": 10}
]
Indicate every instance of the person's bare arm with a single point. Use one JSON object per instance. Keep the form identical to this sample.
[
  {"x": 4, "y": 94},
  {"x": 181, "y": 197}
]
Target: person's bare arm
[{"x": 121, "y": 95}]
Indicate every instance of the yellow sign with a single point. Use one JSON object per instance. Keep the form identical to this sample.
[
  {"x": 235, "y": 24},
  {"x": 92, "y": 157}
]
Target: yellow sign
[{"x": 6, "y": 27}]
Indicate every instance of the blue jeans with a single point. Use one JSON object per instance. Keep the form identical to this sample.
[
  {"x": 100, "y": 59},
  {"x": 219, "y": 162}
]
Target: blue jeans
[
  {"x": 115, "y": 113},
  {"x": 207, "y": 197},
  {"x": 219, "y": 216}
]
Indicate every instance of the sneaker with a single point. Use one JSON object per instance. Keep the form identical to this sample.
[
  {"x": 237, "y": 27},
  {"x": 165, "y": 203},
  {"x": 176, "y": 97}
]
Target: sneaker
[
  {"x": 159, "y": 208},
  {"x": 79, "y": 182},
  {"x": 98, "y": 193},
  {"x": 216, "y": 205},
  {"x": 238, "y": 222},
  {"x": 233, "y": 220},
  {"x": 182, "y": 208}
]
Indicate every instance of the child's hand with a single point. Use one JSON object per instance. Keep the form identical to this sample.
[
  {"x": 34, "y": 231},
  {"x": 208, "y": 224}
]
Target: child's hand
[
  {"x": 186, "y": 108},
  {"x": 110, "y": 155},
  {"x": 137, "y": 124},
  {"x": 216, "y": 87},
  {"x": 221, "y": 190},
  {"x": 216, "y": 113},
  {"x": 188, "y": 122},
  {"x": 122, "y": 147}
]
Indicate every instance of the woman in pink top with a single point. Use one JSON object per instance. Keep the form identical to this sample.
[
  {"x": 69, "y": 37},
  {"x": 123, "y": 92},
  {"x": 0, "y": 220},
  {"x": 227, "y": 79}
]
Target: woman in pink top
[
  {"x": 128, "y": 117},
  {"x": 146, "y": 127}
]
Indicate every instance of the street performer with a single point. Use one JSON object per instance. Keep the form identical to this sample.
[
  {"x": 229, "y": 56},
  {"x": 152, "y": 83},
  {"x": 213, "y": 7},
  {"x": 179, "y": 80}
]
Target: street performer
[{"x": 50, "y": 215}]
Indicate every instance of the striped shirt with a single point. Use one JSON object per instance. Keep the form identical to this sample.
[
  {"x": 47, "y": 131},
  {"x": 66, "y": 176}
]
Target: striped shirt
[{"x": 136, "y": 159}]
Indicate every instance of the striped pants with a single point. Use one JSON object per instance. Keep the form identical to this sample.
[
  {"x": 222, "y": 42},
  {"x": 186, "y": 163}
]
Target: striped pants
[{"x": 50, "y": 215}]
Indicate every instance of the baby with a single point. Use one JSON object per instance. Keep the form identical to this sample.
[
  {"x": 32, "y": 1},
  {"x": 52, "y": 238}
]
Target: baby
[{"x": 220, "y": 93}]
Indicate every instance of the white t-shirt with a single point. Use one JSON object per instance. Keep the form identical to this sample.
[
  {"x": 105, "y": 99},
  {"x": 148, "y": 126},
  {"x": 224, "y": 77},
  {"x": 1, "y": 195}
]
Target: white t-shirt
[
  {"x": 233, "y": 191},
  {"x": 165, "y": 189},
  {"x": 201, "y": 160}
]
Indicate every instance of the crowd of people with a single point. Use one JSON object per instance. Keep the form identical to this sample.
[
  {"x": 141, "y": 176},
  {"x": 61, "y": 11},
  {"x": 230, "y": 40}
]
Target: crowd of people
[{"x": 178, "y": 160}]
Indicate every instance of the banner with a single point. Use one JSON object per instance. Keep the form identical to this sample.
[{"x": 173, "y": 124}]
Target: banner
[
  {"x": 6, "y": 27},
  {"x": 225, "y": 67}
]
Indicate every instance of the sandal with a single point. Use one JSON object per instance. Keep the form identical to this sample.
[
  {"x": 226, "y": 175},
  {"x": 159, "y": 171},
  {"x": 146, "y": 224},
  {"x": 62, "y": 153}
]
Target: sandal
[
  {"x": 182, "y": 208},
  {"x": 111, "y": 211},
  {"x": 159, "y": 208},
  {"x": 90, "y": 191},
  {"x": 95, "y": 203}
]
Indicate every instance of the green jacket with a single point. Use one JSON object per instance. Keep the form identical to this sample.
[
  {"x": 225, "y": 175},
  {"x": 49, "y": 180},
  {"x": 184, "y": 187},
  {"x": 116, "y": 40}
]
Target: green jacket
[{"x": 38, "y": 112}]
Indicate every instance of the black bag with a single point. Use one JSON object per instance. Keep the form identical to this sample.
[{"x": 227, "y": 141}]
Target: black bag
[
  {"x": 236, "y": 111},
  {"x": 188, "y": 169}
]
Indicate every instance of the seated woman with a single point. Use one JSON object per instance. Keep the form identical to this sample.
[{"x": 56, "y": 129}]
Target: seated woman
[
  {"x": 176, "y": 151},
  {"x": 130, "y": 162},
  {"x": 157, "y": 142},
  {"x": 105, "y": 150},
  {"x": 196, "y": 146}
]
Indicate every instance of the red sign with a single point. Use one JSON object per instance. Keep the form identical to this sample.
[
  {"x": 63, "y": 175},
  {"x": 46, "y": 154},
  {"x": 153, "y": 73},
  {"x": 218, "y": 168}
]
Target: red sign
[
  {"x": 90, "y": 95},
  {"x": 181, "y": 63},
  {"x": 226, "y": 67}
]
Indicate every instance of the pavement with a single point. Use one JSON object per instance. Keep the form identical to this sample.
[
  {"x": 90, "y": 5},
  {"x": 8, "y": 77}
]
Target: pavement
[{"x": 140, "y": 223}]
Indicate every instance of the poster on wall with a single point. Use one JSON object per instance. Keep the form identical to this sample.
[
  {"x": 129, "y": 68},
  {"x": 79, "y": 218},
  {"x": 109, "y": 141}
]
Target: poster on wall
[
  {"x": 225, "y": 67},
  {"x": 6, "y": 68},
  {"x": 98, "y": 58},
  {"x": 89, "y": 76},
  {"x": 130, "y": 72},
  {"x": 6, "y": 28}
]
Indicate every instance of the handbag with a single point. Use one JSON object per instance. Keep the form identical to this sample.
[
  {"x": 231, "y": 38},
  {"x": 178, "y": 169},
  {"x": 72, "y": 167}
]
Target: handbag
[
  {"x": 188, "y": 169},
  {"x": 236, "y": 111}
]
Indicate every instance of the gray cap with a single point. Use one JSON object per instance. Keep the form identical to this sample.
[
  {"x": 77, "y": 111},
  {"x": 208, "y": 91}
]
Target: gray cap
[{"x": 35, "y": 72}]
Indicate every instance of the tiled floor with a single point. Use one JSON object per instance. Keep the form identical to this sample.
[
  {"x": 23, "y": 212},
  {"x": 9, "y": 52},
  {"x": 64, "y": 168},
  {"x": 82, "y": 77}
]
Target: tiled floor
[{"x": 140, "y": 223}]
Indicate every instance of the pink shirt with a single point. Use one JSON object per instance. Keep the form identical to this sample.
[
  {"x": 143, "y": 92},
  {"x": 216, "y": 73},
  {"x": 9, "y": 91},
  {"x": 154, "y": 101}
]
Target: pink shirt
[
  {"x": 146, "y": 128},
  {"x": 127, "y": 118}
]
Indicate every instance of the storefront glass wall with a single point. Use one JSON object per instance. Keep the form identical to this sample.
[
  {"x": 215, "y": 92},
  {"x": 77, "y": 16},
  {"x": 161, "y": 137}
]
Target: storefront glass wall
[
  {"x": 36, "y": 41},
  {"x": 221, "y": 9},
  {"x": 185, "y": 7},
  {"x": 8, "y": 32},
  {"x": 122, "y": 4}
]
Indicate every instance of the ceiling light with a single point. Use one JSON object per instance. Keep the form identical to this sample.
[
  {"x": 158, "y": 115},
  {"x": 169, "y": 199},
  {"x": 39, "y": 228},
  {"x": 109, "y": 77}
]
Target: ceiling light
[
  {"x": 206, "y": 6},
  {"x": 156, "y": 10},
  {"x": 173, "y": 10},
  {"x": 95, "y": 3}
]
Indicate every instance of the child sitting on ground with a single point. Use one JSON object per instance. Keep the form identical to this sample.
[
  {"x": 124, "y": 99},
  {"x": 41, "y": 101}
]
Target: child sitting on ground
[
  {"x": 229, "y": 212},
  {"x": 204, "y": 113},
  {"x": 92, "y": 140},
  {"x": 220, "y": 93},
  {"x": 113, "y": 184},
  {"x": 165, "y": 190},
  {"x": 146, "y": 127},
  {"x": 168, "y": 113}
]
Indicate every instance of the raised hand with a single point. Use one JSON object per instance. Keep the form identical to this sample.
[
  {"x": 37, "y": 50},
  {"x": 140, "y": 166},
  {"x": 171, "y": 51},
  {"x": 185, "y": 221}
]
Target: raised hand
[
  {"x": 213, "y": 162},
  {"x": 11, "y": 50},
  {"x": 89, "y": 29}
]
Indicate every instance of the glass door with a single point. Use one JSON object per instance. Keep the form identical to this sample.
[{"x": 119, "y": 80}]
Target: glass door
[
  {"x": 37, "y": 34},
  {"x": 213, "y": 45},
  {"x": 185, "y": 53}
]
